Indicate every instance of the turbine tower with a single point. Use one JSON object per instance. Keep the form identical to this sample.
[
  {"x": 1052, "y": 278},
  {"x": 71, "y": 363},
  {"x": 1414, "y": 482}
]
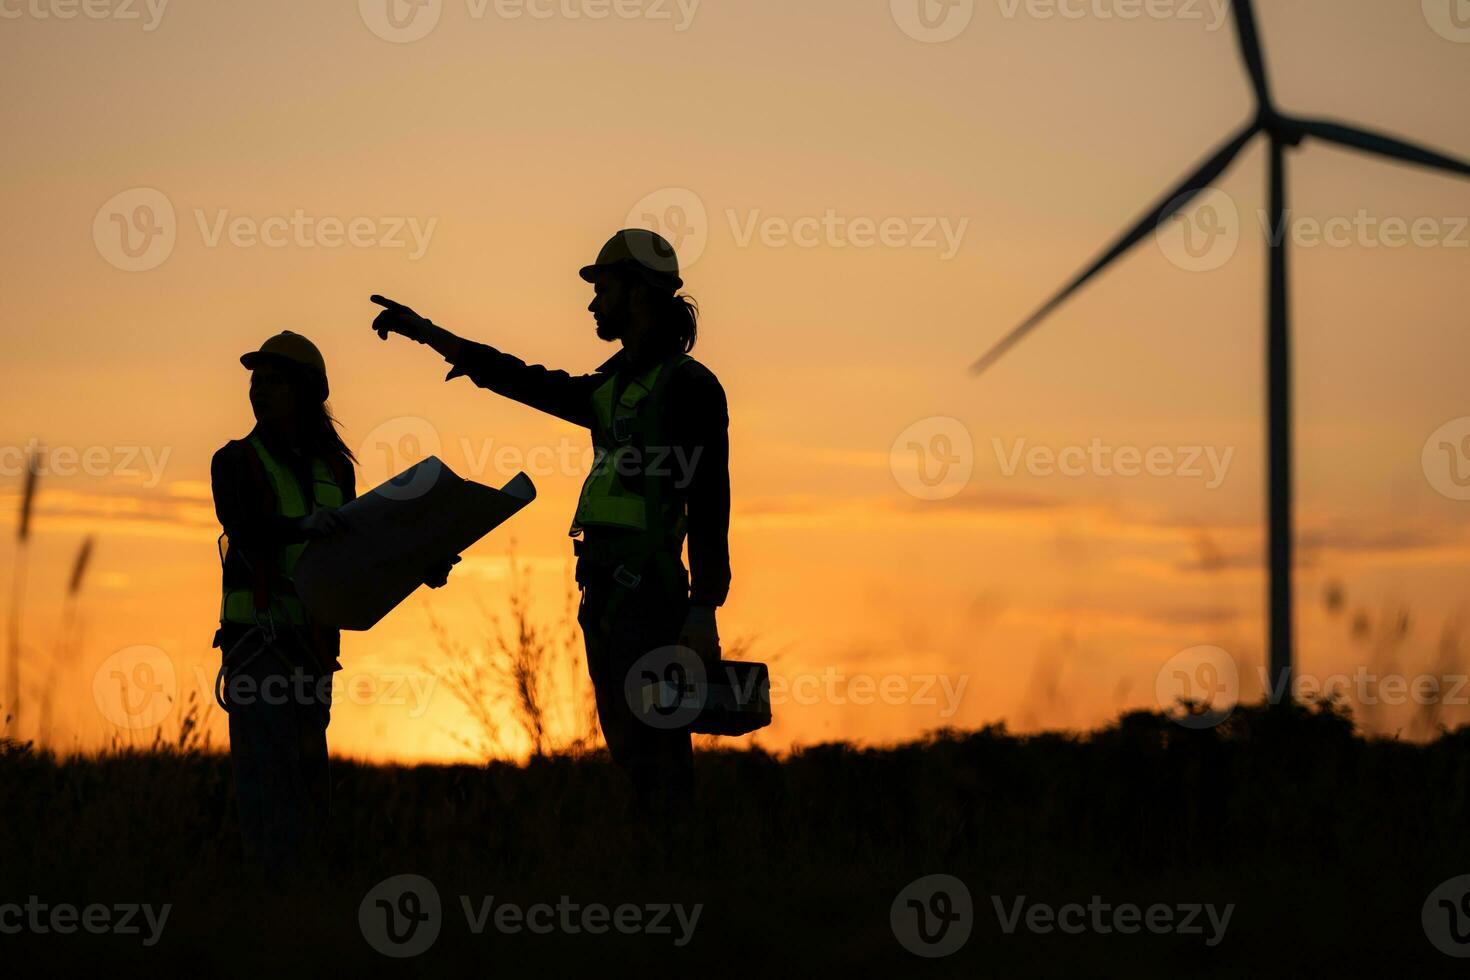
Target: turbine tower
[{"x": 1282, "y": 132}]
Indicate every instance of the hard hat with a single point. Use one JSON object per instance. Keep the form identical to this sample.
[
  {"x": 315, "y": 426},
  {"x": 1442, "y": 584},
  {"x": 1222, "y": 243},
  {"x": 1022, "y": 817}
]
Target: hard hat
[
  {"x": 646, "y": 251},
  {"x": 293, "y": 347}
]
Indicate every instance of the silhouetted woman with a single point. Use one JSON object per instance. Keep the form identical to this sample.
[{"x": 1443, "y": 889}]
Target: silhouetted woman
[{"x": 275, "y": 490}]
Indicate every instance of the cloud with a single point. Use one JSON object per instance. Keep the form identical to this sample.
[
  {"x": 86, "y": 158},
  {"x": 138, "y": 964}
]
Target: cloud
[{"x": 120, "y": 511}]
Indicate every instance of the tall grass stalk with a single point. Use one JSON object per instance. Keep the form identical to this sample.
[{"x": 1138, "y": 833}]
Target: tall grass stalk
[
  {"x": 17, "y": 594},
  {"x": 68, "y": 641}
]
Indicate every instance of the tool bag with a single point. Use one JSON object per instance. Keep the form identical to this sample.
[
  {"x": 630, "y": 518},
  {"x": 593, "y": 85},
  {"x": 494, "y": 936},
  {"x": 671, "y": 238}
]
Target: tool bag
[{"x": 737, "y": 702}]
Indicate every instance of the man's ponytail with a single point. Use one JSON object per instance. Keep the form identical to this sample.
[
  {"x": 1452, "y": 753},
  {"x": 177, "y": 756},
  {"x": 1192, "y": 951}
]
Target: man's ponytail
[{"x": 682, "y": 322}]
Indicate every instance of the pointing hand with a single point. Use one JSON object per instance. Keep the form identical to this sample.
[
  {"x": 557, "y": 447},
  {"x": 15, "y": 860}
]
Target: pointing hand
[{"x": 399, "y": 319}]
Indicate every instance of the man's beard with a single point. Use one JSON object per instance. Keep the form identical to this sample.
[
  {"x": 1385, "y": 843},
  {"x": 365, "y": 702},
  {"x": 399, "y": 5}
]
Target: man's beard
[{"x": 608, "y": 330}]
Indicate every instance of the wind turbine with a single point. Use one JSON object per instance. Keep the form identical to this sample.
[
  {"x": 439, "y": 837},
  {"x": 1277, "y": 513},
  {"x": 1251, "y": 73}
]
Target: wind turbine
[{"x": 1283, "y": 132}]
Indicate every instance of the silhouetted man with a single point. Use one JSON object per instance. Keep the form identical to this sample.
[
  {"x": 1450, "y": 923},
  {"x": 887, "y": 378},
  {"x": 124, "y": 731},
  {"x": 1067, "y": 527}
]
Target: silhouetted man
[{"x": 660, "y": 427}]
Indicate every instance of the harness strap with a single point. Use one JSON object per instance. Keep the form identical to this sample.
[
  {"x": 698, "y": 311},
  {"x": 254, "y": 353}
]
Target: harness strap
[{"x": 259, "y": 571}]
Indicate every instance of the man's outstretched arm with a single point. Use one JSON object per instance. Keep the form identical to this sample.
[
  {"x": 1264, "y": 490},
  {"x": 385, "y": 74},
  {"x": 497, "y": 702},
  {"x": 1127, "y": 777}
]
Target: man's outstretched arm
[{"x": 555, "y": 392}]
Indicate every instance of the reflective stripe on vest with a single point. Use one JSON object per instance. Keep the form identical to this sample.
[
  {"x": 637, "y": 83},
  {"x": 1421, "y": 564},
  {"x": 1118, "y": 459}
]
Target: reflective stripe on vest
[
  {"x": 238, "y": 605},
  {"x": 607, "y": 500}
]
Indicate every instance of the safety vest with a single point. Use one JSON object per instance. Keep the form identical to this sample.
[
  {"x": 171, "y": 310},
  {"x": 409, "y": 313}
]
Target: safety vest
[
  {"x": 279, "y": 593},
  {"x": 633, "y": 463}
]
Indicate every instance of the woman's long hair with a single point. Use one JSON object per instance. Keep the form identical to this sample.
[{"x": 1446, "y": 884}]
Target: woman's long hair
[{"x": 314, "y": 415}]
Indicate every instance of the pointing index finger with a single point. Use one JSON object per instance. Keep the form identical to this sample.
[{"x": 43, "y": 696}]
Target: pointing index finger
[{"x": 386, "y": 303}]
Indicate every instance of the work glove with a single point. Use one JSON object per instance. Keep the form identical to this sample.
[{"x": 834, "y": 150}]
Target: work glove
[
  {"x": 438, "y": 575},
  {"x": 399, "y": 319},
  {"x": 701, "y": 635}
]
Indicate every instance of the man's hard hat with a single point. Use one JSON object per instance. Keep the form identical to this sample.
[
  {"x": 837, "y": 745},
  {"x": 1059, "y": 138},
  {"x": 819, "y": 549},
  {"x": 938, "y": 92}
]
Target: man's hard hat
[
  {"x": 292, "y": 347},
  {"x": 645, "y": 252}
]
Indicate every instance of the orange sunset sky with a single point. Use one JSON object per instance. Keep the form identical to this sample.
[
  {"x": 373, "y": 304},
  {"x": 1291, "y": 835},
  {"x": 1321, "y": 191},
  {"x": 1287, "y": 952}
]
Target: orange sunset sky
[{"x": 862, "y": 210}]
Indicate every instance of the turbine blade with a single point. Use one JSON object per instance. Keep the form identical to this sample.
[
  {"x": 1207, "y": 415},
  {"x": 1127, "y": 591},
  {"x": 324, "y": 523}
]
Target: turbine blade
[
  {"x": 1387, "y": 146},
  {"x": 1175, "y": 200},
  {"x": 1250, "y": 48}
]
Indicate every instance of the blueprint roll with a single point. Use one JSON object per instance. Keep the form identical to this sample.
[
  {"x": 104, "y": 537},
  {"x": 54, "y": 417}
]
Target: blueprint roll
[{"x": 422, "y": 517}]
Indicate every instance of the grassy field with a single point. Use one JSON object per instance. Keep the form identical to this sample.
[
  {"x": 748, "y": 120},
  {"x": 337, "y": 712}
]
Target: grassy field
[{"x": 1326, "y": 844}]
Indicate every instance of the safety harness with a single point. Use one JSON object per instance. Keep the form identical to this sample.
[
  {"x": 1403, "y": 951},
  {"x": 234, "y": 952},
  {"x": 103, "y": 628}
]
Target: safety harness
[
  {"x": 271, "y": 601},
  {"x": 627, "y": 489}
]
